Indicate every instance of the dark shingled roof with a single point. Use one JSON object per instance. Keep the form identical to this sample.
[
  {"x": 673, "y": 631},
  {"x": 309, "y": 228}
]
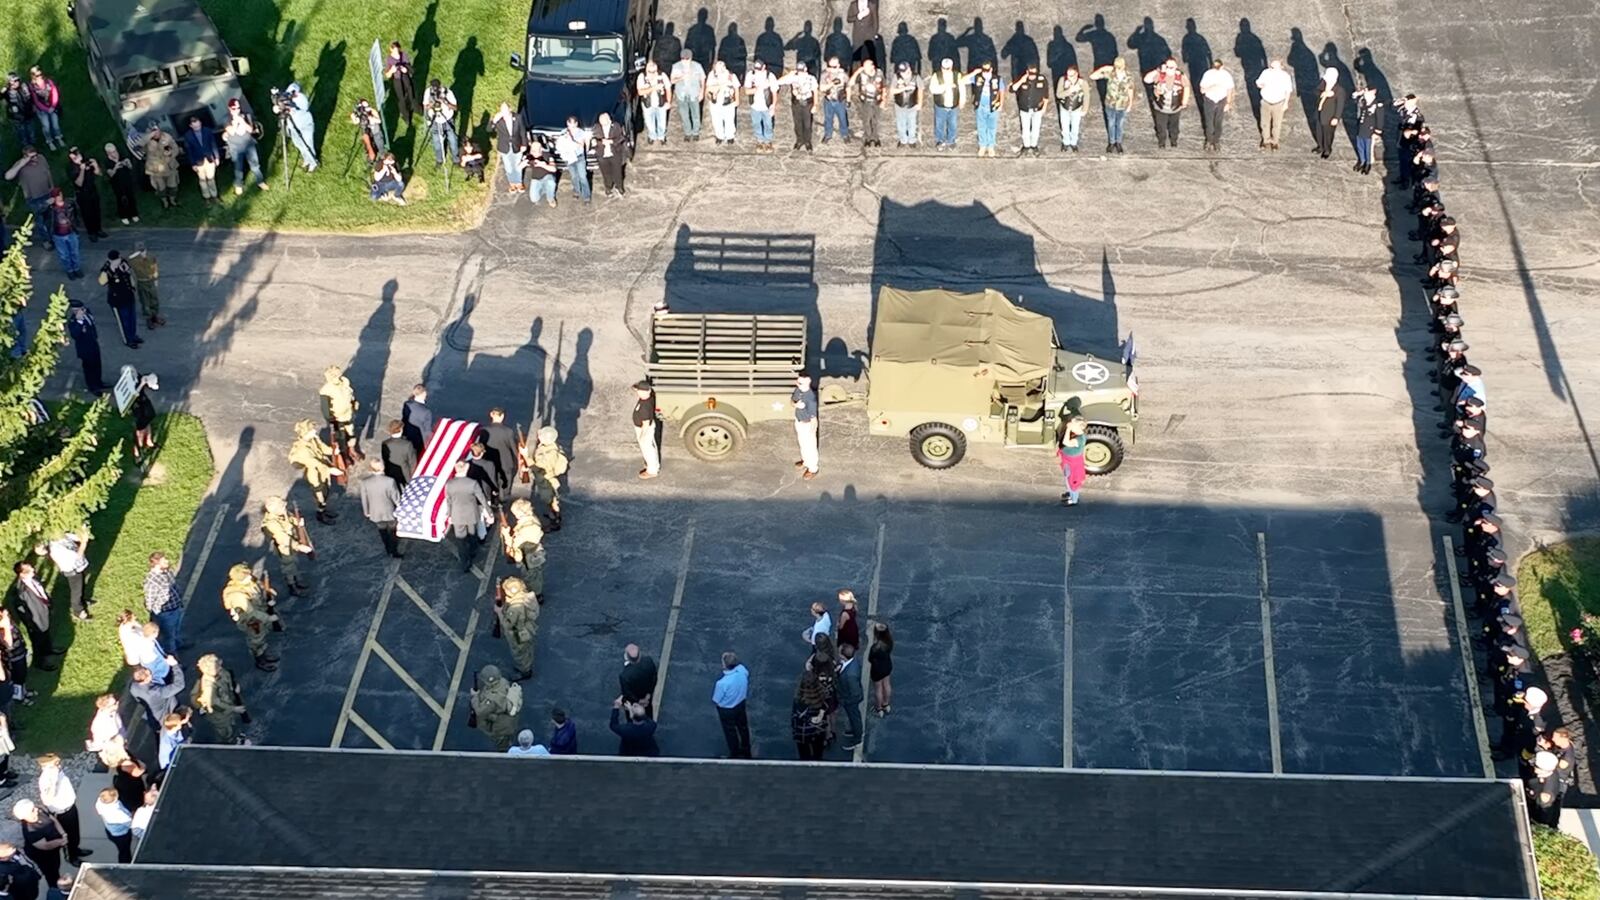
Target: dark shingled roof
[
  {"x": 142, "y": 882},
  {"x": 291, "y": 807}
]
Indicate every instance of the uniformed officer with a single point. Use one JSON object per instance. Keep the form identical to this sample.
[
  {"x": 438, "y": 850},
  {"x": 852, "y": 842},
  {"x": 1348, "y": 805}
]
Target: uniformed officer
[
  {"x": 216, "y": 695},
  {"x": 519, "y": 624},
  {"x": 1545, "y": 789},
  {"x": 1410, "y": 122},
  {"x": 251, "y": 608},
  {"x": 1473, "y": 498},
  {"x": 280, "y": 527},
  {"x": 339, "y": 407},
  {"x": 1526, "y": 719},
  {"x": 645, "y": 424},
  {"x": 1467, "y": 445},
  {"x": 316, "y": 464},
  {"x": 501, "y": 442},
  {"x": 1471, "y": 413},
  {"x": 1452, "y": 354},
  {"x": 1513, "y": 675},
  {"x": 524, "y": 542},
  {"x": 494, "y": 709},
  {"x": 547, "y": 464}
]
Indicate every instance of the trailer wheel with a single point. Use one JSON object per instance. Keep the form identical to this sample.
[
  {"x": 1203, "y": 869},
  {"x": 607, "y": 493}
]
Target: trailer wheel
[
  {"x": 1102, "y": 450},
  {"x": 937, "y": 446},
  {"x": 713, "y": 437}
]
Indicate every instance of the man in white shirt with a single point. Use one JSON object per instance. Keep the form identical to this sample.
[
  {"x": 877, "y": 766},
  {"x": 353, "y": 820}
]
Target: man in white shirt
[
  {"x": 722, "y": 89},
  {"x": 118, "y": 823},
  {"x": 655, "y": 98},
  {"x": 1216, "y": 97},
  {"x": 803, "y": 103},
  {"x": 526, "y": 747},
  {"x": 67, "y": 552},
  {"x": 572, "y": 147},
  {"x": 821, "y": 623},
  {"x": 1276, "y": 86},
  {"x": 761, "y": 86},
  {"x": 57, "y": 796}
]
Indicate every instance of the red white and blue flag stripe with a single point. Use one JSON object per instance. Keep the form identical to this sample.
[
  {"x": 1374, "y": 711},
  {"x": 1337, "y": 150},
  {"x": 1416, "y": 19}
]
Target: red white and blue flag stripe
[{"x": 422, "y": 512}]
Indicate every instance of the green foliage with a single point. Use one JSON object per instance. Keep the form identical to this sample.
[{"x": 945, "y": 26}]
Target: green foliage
[
  {"x": 323, "y": 45},
  {"x": 1567, "y": 869},
  {"x": 1558, "y": 586},
  {"x": 141, "y": 515},
  {"x": 51, "y": 476}
]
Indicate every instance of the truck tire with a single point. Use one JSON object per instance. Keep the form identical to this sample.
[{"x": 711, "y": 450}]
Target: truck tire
[
  {"x": 1102, "y": 450},
  {"x": 936, "y": 445},
  {"x": 713, "y": 437}
]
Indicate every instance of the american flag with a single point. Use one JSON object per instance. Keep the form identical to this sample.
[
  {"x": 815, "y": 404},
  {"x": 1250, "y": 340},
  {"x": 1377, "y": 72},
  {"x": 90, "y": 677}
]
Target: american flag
[{"x": 422, "y": 512}]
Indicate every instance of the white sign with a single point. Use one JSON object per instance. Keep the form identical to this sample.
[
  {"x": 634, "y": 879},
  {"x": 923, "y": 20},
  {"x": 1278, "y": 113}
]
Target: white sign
[
  {"x": 375, "y": 64},
  {"x": 127, "y": 387}
]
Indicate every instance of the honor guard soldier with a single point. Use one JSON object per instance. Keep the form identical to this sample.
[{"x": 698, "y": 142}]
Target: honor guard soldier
[
  {"x": 1410, "y": 123},
  {"x": 496, "y": 703},
  {"x": 1526, "y": 719},
  {"x": 1452, "y": 354},
  {"x": 1446, "y": 300},
  {"x": 1471, "y": 413},
  {"x": 316, "y": 464},
  {"x": 1467, "y": 444},
  {"x": 283, "y": 532},
  {"x": 518, "y": 619},
  {"x": 216, "y": 695},
  {"x": 339, "y": 407},
  {"x": 1557, "y": 741},
  {"x": 546, "y": 465},
  {"x": 251, "y": 608},
  {"x": 524, "y": 543},
  {"x": 1512, "y": 677}
]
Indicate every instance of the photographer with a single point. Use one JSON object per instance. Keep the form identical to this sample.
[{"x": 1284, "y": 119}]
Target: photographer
[
  {"x": 366, "y": 120},
  {"x": 439, "y": 114},
  {"x": 294, "y": 113},
  {"x": 397, "y": 68},
  {"x": 387, "y": 185},
  {"x": 240, "y": 136}
]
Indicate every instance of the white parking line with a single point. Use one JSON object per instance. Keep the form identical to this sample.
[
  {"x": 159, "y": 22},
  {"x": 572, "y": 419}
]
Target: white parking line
[
  {"x": 466, "y": 644},
  {"x": 1069, "y": 543},
  {"x": 1267, "y": 659},
  {"x": 860, "y": 753},
  {"x": 205, "y": 553},
  {"x": 346, "y": 712},
  {"x": 672, "y": 619},
  {"x": 369, "y": 731},
  {"x": 1468, "y": 669}
]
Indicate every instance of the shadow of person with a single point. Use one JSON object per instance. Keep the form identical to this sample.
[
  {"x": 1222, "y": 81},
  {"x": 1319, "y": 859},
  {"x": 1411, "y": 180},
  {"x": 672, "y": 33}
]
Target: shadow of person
[
  {"x": 1022, "y": 50},
  {"x": 807, "y": 49},
  {"x": 668, "y": 48},
  {"x": 1102, "y": 44},
  {"x": 1252, "y": 55},
  {"x": 701, "y": 39},
  {"x": 422, "y": 46},
  {"x": 769, "y": 46},
  {"x": 838, "y": 361},
  {"x": 1060, "y": 53},
  {"x": 571, "y": 390},
  {"x": 942, "y": 45},
  {"x": 1307, "y": 77},
  {"x": 733, "y": 51},
  {"x": 979, "y": 46},
  {"x": 1195, "y": 51},
  {"x": 905, "y": 49},
  {"x": 324, "y": 98},
  {"x": 371, "y": 362},
  {"x": 1329, "y": 59},
  {"x": 464, "y": 81},
  {"x": 837, "y": 43},
  {"x": 1152, "y": 48}
]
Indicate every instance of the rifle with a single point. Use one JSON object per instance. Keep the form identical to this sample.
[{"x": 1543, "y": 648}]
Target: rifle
[
  {"x": 472, "y": 711},
  {"x": 505, "y": 537},
  {"x": 340, "y": 456},
  {"x": 524, "y": 471},
  {"x": 272, "y": 601},
  {"x": 301, "y": 534},
  {"x": 499, "y": 601}
]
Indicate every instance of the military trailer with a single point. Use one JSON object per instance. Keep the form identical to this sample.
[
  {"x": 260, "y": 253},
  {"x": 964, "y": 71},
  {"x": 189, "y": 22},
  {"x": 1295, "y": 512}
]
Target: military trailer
[
  {"x": 717, "y": 374},
  {"x": 157, "y": 60},
  {"x": 948, "y": 369}
]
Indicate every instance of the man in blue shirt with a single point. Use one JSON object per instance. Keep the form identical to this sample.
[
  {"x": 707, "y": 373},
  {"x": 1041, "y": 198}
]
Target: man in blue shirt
[
  {"x": 729, "y": 696},
  {"x": 804, "y": 399}
]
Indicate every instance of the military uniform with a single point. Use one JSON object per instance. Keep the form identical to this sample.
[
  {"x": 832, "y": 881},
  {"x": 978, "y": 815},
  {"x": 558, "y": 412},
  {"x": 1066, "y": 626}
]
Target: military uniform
[
  {"x": 547, "y": 465},
  {"x": 494, "y": 709},
  {"x": 339, "y": 408},
  {"x": 519, "y": 623},
  {"x": 146, "y": 275},
  {"x": 316, "y": 462},
  {"x": 252, "y": 609},
  {"x": 217, "y": 697},
  {"x": 524, "y": 542},
  {"x": 279, "y": 527}
]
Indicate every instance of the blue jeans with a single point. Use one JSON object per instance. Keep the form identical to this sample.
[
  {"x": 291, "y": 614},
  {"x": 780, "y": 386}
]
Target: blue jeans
[
  {"x": 1071, "y": 126},
  {"x": 835, "y": 109},
  {"x": 944, "y": 125},
  {"x": 689, "y": 116},
  {"x": 1364, "y": 150},
  {"x": 300, "y": 136},
  {"x": 511, "y": 164},
  {"x": 169, "y": 622},
  {"x": 578, "y": 171},
  {"x": 1115, "y": 119},
  {"x": 24, "y": 132},
  {"x": 19, "y": 323},
  {"x": 39, "y": 206},
  {"x": 905, "y": 124},
  {"x": 988, "y": 121},
  {"x": 655, "y": 122},
  {"x": 444, "y": 135},
  {"x": 543, "y": 187},
  {"x": 67, "y": 252},
  {"x": 245, "y": 157},
  {"x": 761, "y": 124},
  {"x": 49, "y": 124}
]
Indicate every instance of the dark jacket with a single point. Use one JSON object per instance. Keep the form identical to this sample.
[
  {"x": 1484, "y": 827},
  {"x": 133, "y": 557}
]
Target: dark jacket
[
  {"x": 418, "y": 421},
  {"x": 85, "y": 336},
  {"x": 636, "y": 738},
  {"x": 399, "y": 458},
  {"x": 564, "y": 740},
  {"x": 863, "y": 28},
  {"x": 638, "y": 680},
  {"x": 200, "y": 146},
  {"x": 465, "y": 500},
  {"x": 502, "y": 443},
  {"x": 848, "y": 684}
]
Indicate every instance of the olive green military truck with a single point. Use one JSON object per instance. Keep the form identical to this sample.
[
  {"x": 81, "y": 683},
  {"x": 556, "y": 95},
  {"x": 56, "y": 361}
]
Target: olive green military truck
[
  {"x": 946, "y": 369},
  {"x": 157, "y": 61}
]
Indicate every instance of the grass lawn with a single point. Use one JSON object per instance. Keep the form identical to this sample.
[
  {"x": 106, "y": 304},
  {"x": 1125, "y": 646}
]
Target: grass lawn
[
  {"x": 138, "y": 519},
  {"x": 323, "y": 45},
  {"x": 1557, "y": 585},
  {"x": 1566, "y": 867}
]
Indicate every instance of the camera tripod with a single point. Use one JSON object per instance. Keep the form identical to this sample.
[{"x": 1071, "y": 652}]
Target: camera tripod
[{"x": 285, "y": 125}]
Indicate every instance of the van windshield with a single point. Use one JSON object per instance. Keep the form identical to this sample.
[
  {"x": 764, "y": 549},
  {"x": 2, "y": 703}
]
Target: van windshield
[
  {"x": 210, "y": 67},
  {"x": 575, "y": 56}
]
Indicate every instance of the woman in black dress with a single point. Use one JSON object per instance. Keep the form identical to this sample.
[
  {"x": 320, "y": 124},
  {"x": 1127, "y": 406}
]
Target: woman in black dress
[
  {"x": 85, "y": 174},
  {"x": 880, "y": 665},
  {"x": 124, "y": 184},
  {"x": 144, "y": 414}
]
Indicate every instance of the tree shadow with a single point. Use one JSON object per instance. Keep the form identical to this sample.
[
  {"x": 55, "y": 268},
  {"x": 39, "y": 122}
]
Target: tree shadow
[
  {"x": 733, "y": 52},
  {"x": 1252, "y": 55},
  {"x": 464, "y": 77},
  {"x": 1060, "y": 53},
  {"x": 371, "y": 363},
  {"x": 807, "y": 49},
  {"x": 905, "y": 49},
  {"x": 769, "y": 46},
  {"x": 1195, "y": 51},
  {"x": 324, "y": 98},
  {"x": 979, "y": 46},
  {"x": 701, "y": 39},
  {"x": 1022, "y": 50},
  {"x": 942, "y": 45}
]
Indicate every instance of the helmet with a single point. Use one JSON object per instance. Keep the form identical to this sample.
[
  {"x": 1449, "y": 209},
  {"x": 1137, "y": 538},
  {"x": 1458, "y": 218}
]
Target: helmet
[
  {"x": 547, "y": 434},
  {"x": 305, "y": 428},
  {"x": 513, "y": 587},
  {"x": 240, "y": 572},
  {"x": 522, "y": 509}
]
